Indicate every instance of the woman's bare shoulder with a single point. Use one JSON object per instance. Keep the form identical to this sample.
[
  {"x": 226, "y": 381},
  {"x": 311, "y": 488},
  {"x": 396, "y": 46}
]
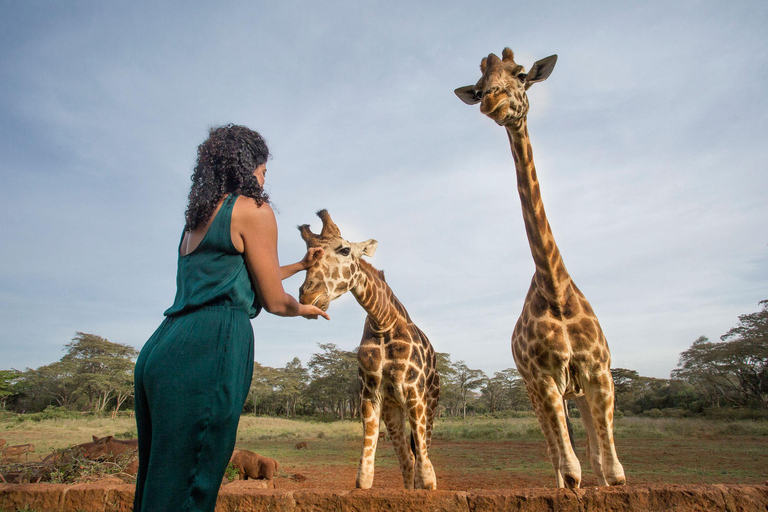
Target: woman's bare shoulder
[{"x": 246, "y": 214}]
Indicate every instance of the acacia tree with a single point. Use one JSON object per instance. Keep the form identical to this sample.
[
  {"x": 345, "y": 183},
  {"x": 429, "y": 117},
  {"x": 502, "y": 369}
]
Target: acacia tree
[
  {"x": 515, "y": 394},
  {"x": 262, "y": 392},
  {"x": 104, "y": 370},
  {"x": 735, "y": 370},
  {"x": 7, "y": 380},
  {"x": 748, "y": 354},
  {"x": 467, "y": 380},
  {"x": 51, "y": 384},
  {"x": 626, "y": 383},
  {"x": 449, "y": 390},
  {"x": 492, "y": 392},
  {"x": 334, "y": 380},
  {"x": 291, "y": 383}
]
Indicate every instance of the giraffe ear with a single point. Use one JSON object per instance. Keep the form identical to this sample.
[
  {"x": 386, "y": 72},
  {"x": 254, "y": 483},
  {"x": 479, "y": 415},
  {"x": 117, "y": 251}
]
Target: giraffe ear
[
  {"x": 367, "y": 248},
  {"x": 540, "y": 70},
  {"x": 468, "y": 94}
]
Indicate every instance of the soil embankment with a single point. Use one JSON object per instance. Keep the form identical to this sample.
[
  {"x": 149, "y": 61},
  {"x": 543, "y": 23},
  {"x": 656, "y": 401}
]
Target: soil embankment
[{"x": 112, "y": 497}]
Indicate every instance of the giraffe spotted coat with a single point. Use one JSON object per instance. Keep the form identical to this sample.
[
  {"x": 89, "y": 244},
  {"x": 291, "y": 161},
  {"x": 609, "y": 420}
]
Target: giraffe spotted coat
[
  {"x": 396, "y": 362},
  {"x": 558, "y": 345}
]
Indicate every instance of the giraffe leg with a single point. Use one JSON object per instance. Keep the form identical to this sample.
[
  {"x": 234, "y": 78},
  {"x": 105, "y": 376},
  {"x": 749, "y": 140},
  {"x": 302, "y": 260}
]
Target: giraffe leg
[
  {"x": 394, "y": 419},
  {"x": 552, "y": 419},
  {"x": 371, "y": 413},
  {"x": 599, "y": 395},
  {"x": 431, "y": 410},
  {"x": 424, "y": 471},
  {"x": 549, "y": 435},
  {"x": 593, "y": 445}
]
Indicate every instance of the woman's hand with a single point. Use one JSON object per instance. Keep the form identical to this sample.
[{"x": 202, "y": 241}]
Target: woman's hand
[
  {"x": 311, "y": 312},
  {"x": 309, "y": 259}
]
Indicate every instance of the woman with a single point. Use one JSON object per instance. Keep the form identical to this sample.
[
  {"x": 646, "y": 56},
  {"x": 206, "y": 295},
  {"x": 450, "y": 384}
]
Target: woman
[{"x": 193, "y": 375}]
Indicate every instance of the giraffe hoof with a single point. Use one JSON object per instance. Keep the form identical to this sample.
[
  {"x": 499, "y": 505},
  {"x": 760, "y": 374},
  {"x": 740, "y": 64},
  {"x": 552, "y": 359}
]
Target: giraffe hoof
[{"x": 571, "y": 482}]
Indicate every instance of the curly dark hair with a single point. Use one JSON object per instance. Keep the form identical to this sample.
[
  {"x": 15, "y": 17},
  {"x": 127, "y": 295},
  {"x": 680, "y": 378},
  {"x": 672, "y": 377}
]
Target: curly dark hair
[{"x": 225, "y": 165}]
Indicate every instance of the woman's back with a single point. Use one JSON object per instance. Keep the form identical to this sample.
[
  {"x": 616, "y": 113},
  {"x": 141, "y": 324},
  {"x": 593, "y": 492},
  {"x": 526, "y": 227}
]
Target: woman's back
[{"x": 214, "y": 272}]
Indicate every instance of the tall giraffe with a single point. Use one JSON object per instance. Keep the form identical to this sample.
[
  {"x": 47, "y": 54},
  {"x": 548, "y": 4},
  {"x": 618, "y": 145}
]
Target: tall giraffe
[
  {"x": 396, "y": 362},
  {"x": 558, "y": 345}
]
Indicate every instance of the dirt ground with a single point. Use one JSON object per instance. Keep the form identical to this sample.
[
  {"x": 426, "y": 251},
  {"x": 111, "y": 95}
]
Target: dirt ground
[
  {"x": 487, "y": 465},
  {"x": 461, "y": 465},
  {"x": 498, "y": 475}
]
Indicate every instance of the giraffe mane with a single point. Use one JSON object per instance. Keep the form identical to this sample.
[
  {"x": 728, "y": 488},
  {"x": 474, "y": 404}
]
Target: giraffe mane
[{"x": 372, "y": 269}]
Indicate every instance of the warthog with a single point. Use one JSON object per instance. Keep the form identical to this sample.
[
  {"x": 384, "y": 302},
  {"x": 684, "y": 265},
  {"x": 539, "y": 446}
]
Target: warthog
[
  {"x": 109, "y": 448},
  {"x": 252, "y": 465}
]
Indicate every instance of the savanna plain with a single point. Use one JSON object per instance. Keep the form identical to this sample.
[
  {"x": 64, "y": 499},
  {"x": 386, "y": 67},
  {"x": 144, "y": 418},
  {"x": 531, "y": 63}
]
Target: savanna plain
[{"x": 474, "y": 453}]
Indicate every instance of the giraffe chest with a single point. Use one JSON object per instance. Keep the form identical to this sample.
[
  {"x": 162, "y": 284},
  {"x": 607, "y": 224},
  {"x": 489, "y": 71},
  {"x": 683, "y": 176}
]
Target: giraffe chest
[
  {"x": 390, "y": 355},
  {"x": 398, "y": 367},
  {"x": 568, "y": 351}
]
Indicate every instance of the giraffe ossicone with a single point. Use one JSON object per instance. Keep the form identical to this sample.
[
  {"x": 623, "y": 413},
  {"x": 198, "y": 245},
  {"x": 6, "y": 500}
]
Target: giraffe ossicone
[
  {"x": 396, "y": 362},
  {"x": 558, "y": 345}
]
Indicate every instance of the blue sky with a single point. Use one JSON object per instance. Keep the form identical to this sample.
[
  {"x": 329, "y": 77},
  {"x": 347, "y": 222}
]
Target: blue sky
[{"x": 649, "y": 140}]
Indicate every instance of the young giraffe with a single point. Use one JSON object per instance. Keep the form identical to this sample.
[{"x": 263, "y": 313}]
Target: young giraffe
[
  {"x": 558, "y": 345},
  {"x": 396, "y": 362}
]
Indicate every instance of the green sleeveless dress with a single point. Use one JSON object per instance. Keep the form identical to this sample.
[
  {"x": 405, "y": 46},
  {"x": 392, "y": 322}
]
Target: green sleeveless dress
[{"x": 193, "y": 375}]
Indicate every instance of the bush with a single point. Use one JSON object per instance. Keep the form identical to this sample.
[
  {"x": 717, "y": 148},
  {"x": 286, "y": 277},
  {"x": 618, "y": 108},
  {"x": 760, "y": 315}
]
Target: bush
[
  {"x": 231, "y": 472},
  {"x": 69, "y": 466},
  {"x": 50, "y": 413},
  {"x": 128, "y": 434},
  {"x": 727, "y": 414}
]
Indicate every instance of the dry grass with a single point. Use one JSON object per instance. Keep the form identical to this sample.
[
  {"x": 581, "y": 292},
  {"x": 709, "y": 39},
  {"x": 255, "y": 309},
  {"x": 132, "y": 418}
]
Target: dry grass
[
  {"x": 55, "y": 434},
  {"x": 50, "y": 434},
  {"x": 254, "y": 428}
]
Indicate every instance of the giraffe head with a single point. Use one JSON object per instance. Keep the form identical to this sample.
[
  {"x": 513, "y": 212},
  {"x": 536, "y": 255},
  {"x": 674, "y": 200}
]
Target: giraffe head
[
  {"x": 338, "y": 269},
  {"x": 501, "y": 89}
]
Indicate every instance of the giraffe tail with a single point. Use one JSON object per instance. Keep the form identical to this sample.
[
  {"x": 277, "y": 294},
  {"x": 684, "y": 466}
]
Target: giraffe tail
[{"x": 413, "y": 445}]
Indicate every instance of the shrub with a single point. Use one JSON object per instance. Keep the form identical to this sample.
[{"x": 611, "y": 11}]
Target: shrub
[
  {"x": 722, "y": 413},
  {"x": 231, "y": 472},
  {"x": 128, "y": 434}
]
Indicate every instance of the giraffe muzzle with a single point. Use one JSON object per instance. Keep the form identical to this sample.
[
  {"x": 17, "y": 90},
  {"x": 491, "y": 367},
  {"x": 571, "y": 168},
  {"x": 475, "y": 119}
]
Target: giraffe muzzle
[
  {"x": 322, "y": 302},
  {"x": 319, "y": 299}
]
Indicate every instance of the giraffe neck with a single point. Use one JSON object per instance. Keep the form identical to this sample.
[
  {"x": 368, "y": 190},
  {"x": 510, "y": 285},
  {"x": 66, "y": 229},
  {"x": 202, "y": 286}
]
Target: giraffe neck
[
  {"x": 377, "y": 298},
  {"x": 551, "y": 277}
]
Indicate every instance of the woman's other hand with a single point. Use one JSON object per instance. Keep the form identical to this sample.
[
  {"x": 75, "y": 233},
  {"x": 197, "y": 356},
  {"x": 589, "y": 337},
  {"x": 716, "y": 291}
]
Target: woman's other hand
[{"x": 311, "y": 312}]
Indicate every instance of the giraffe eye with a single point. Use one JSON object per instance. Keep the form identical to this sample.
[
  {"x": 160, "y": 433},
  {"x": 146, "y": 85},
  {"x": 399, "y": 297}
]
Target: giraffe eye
[
  {"x": 522, "y": 77},
  {"x": 344, "y": 251}
]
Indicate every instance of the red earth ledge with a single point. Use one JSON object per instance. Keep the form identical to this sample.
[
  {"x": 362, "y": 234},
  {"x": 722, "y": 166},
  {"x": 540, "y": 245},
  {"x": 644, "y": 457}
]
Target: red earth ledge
[{"x": 101, "y": 497}]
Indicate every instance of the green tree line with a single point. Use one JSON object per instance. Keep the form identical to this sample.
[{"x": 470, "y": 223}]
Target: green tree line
[{"x": 96, "y": 375}]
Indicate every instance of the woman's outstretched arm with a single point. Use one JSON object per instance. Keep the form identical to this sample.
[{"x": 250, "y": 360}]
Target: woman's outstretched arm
[
  {"x": 254, "y": 229},
  {"x": 313, "y": 254}
]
